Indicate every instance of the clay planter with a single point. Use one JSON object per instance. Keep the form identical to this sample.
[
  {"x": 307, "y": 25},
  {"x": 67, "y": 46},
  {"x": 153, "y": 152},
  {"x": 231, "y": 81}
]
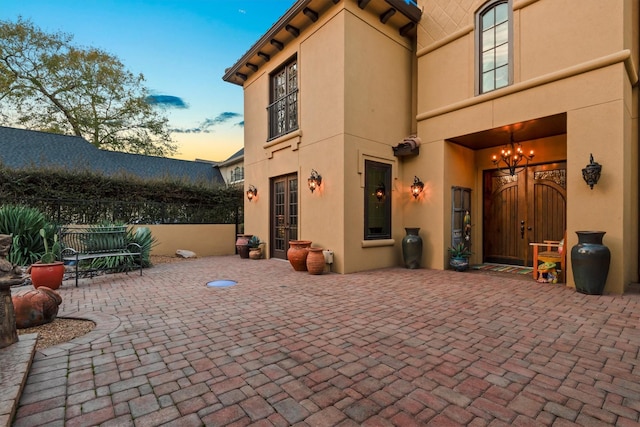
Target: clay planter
[
  {"x": 49, "y": 275},
  {"x": 297, "y": 254},
  {"x": 255, "y": 253},
  {"x": 35, "y": 307},
  {"x": 315, "y": 261},
  {"x": 242, "y": 245}
]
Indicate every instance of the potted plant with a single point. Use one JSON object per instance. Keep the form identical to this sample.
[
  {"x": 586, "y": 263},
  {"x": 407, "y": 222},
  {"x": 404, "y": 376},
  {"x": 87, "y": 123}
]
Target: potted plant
[
  {"x": 459, "y": 257},
  {"x": 255, "y": 251},
  {"x": 48, "y": 271}
]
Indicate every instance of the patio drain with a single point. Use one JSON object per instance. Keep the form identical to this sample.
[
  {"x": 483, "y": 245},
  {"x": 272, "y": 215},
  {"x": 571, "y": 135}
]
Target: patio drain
[{"x": 221, "y": 283}]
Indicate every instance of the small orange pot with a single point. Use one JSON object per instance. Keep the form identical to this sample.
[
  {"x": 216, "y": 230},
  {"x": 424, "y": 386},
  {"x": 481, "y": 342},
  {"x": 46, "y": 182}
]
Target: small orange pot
[{"x": 49, "y": 275}]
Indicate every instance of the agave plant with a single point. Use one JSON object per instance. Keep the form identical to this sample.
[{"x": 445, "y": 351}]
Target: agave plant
[
  {"x": 24, "y": 224},
  {"x": 145, "y": 239},
  {"x": 460, "y": 251}
]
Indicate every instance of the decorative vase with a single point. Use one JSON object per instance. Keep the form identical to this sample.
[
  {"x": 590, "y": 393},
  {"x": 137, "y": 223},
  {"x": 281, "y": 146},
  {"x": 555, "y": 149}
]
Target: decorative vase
[
  {"x": 590, "y": 262},
  {"x": 315, "y": 261},
  {"x": 255, "y": 253},
  {"x": 412, "y": 248},
  {"x": 35, "y": 307},
  {"x": 297, "y": 254},
  {"x": 459, "y": 263},
  {"x": 49, "y": 275},
  {"x": 242, "y": 245}
]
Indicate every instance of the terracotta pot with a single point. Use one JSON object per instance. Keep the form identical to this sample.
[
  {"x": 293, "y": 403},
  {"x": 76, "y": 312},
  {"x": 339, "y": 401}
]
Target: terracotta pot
[
  {"x": 297, "y": 254},
  {"x": 255, "y": 253},
  {"x": 315, "y": 261},
  {"x": 242, "y": 245},
  {"x": 35, "y": 307},
  {"x": 49, "y": 275}
]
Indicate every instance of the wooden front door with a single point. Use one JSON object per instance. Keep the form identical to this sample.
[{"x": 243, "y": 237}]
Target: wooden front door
[
  {"x": 527, "y": 207},
  {"x": 284, "y": 214}
]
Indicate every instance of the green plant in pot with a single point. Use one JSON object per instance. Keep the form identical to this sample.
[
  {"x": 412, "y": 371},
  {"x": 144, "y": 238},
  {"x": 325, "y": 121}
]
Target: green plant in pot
[
  {"x": 255, "y": 250},
  {"x": 459, "y": 257},
  {"x": 48, "y": 271}
]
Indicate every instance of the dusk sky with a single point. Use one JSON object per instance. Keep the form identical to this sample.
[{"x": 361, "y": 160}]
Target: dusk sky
[{"x": 182, "y": 47}]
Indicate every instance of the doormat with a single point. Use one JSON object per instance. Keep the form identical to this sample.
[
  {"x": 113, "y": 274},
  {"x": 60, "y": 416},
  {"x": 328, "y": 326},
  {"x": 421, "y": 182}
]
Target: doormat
[{"x": 502, "y": 268}]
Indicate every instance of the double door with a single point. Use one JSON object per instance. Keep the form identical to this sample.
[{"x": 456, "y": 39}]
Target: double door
[
  {"x": 284, "y": 214},
  {"x": 529, "y": 206}
]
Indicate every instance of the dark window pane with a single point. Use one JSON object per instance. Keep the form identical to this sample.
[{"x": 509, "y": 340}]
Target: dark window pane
[{"x": 377, "y": 200}]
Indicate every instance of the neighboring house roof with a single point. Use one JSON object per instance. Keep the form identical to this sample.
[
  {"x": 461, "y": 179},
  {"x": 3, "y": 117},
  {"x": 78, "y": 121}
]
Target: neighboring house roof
[
  {"x": 237, "y": 157},
  {"x": 20, "y": 148}
]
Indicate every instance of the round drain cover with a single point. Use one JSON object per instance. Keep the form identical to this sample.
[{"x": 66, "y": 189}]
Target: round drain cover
[{"x": 221, "y": 283}]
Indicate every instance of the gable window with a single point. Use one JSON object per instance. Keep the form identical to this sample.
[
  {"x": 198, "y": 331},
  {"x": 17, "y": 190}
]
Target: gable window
[
  {"x": 283, "y": 110},
  {"x": 236, "y": 174},
  {"x": 377, "y": 200},
  {"x": 494, "y": 33}
]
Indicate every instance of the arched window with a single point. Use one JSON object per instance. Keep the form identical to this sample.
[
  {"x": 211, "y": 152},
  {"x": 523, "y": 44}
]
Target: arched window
[{"x": 494, "y": 37}]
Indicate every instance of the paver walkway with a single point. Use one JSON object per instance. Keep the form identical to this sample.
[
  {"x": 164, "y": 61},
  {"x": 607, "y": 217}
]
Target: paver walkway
[{"x": 388, "y": 347}]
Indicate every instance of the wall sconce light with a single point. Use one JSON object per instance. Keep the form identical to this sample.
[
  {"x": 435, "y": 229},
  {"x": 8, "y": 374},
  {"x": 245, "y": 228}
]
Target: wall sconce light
[
  {"x": 591, "y": 172},
  {"x": 314, "y": 180},
  {"x": 380, "y": 191},
  {"x": 416, "y": 187},
  {"x": 252, "y": 192},
  {"x": 512, "y": 156}
]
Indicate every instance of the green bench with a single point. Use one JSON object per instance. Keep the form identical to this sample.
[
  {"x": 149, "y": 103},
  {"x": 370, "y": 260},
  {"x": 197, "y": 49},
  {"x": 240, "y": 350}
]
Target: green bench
[{"x": 82, "y": 244}]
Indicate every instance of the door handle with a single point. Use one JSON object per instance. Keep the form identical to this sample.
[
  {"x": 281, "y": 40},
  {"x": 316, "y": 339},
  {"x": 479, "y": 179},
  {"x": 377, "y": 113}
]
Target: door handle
[{"x": 522, "y": 229}]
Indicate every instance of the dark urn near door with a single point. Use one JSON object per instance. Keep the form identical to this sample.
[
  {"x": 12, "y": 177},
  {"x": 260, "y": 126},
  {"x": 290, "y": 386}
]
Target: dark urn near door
[
  {"x": 590, "y": 262},
  {"x": 412, "y": 248}
]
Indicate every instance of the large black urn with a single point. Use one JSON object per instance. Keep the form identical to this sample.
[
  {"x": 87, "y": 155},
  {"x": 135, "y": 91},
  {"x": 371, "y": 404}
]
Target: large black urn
[
  {"x": 590, "y": 262},
  {"x": 412, "y": 248}
]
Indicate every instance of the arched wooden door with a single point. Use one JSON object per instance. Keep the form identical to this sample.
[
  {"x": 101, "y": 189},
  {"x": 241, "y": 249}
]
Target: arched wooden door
[{"x": 529, "y": 206}]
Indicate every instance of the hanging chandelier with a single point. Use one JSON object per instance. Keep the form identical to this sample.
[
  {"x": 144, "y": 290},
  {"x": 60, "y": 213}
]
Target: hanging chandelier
[{"x": 512, "y": 158}]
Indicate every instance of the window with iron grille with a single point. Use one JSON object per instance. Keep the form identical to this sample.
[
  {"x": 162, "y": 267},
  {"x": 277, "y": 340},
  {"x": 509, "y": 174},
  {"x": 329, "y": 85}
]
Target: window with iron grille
[
  {"x": 494, "y": 33},
  {"x": 283, "y": 110}
]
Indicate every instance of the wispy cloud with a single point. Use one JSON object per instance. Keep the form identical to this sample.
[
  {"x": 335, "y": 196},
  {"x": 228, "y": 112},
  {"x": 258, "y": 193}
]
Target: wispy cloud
[
  {"x": 209, "y": 125},
  {"x": 167, "y": 101}
]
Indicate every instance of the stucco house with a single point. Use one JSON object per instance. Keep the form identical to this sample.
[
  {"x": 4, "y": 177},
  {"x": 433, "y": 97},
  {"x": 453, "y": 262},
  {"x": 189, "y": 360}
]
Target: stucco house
[
  {"x": 337, "y": 86},
  {"x": 232, "y": 169}
]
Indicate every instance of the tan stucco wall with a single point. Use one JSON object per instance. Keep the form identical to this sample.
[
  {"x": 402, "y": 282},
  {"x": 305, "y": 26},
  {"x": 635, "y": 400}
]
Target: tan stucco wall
[
  {"x": 349, "y": 110},
  {"x": 363, "y": 88},
  {"x": 588, "y": 75},
  {"x": 378, "y": 116},
  {"x": 203, "y": 239}
]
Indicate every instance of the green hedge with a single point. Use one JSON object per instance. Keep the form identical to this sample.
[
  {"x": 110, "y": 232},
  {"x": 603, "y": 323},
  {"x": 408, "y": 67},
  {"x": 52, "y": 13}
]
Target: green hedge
[{"x": 86, "y": 197}]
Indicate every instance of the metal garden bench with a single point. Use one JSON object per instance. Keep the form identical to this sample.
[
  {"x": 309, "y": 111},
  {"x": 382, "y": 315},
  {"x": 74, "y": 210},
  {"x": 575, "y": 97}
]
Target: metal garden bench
[{"x": 83, "y": 244}]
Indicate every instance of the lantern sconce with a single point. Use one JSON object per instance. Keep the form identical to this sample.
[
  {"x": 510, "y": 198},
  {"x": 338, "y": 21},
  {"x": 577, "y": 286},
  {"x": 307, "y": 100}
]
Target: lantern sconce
[
  {"x": 314, "y": 180},
  {"x": 591, "y": 172},
  {"x": 252, "y": 192},
  {"x": 416, "y": 187},
  {"x": 380, "y": 191}
]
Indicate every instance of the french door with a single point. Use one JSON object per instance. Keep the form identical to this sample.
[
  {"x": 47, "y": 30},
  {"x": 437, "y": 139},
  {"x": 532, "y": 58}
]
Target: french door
[
  {"x": 529, "y": 206},
  {"x": 284, "y": 214}
]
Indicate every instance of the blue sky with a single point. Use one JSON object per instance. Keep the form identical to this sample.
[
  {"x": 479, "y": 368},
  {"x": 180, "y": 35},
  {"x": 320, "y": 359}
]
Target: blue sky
[{"x": 182, "y": 47}]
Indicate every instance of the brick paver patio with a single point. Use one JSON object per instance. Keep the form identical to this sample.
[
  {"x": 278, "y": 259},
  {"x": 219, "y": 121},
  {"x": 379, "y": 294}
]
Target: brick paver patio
[{"x": 380, "y": 348}]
